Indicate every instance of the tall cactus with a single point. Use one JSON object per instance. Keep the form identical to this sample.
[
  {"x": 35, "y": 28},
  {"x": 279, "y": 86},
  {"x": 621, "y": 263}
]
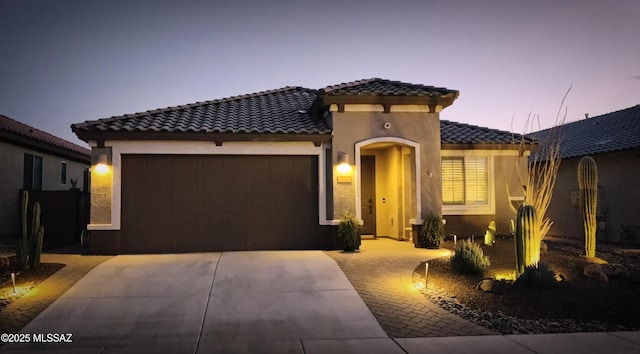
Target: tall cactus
[
  {"x": 588, "y": 183},
  {"x": 23, "y": 246},
  {"x": 527, "y": 238},
  {"x": 30, "y": 246}
]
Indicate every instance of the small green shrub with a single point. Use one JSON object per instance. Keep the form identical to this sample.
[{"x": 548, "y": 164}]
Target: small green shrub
[
  {"x": 349, "y": 232},
  {"x": 541, "y": 276},
  {"x": 432, "y": 232},
  {"x": 469, "y": 259}
]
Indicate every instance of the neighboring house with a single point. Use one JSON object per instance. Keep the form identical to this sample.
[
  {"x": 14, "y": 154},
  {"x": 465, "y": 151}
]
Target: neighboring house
[
  {"x": 34, "y": 159},
  {"x": 277, "y": 169},
  {"x": 613, "y": 140}
]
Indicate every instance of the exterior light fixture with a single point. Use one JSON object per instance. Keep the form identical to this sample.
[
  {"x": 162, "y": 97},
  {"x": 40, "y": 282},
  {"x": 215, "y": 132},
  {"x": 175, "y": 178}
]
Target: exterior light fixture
[
  {"x": 101, "y": 166},
  {"x": 343, "y": 163},
  {"x": 13, "y": 281},
  {"x": 426, "y": 273}
]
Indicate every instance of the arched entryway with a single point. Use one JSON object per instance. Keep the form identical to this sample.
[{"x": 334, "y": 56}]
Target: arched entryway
[{"x": 388, "y": 186}]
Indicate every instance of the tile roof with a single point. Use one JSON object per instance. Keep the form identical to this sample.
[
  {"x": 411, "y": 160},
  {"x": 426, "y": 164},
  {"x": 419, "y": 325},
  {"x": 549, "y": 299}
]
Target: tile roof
[
  {"x": 382, "y": 87},
  {"x": 18, "y": 129},
  {"x": 460, "y": 133},
  {"x": 615, "y": 131},
  {"x": 284, "y": 110}
]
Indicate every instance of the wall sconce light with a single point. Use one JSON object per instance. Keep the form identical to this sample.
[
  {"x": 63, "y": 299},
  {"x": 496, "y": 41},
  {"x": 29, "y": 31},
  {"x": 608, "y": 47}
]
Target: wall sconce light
[
  {"x": 343, "y": 163},
  {"x": 430, "y": 174},
  {"x": 101, "y": 166}
]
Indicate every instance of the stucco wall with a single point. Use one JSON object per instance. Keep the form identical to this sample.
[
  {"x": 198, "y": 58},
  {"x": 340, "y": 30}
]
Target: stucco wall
[
  {"x": 11, "y": 175},
  {"x": 505, "y": 173},
  {"x": 618, "y": 176},
  {"x": 423, "y": 128}
]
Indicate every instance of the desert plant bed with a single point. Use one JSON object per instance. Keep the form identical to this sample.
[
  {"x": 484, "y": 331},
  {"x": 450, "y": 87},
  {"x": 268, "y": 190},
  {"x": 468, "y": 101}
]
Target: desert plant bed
[
  {"x": 25, "y": 281},
  {"x": 575, "y": 304}
]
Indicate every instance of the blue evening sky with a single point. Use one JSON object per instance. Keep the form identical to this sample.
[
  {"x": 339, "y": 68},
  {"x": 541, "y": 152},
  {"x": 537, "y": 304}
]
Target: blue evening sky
[{"x": 67, "y": 61}]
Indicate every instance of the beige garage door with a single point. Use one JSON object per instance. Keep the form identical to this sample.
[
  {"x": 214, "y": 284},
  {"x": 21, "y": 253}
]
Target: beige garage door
[{"x": 191, "y": 203}]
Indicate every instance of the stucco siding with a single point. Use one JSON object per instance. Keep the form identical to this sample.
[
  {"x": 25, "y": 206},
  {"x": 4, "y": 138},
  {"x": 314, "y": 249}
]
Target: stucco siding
[
  {"x": 618, "y": 175},
  {"x": 419, "y": 127},
  {"x": 11, "y": 175},
  {"x": 504, "y": 174}
]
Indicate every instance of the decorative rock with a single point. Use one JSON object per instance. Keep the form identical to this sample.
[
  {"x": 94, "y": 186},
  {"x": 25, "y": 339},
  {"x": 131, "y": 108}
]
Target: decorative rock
[
  {"x": 543, "y": 248},
  {"x": 485, "y": 285},
  {"x": 613, "y": 270},
  {"x": 594, "y": 271}
]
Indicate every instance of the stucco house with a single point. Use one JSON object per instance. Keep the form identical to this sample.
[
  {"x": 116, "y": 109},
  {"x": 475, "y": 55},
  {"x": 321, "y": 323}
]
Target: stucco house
[
  {"x": 277, "y": 169},
  {"x": 613, "y": 140},
  {"x": 33, "y": 159}
]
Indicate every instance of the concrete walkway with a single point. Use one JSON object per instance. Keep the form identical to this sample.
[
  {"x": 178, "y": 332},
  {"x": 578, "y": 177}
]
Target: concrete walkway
[{"x": 382, "y": 274}]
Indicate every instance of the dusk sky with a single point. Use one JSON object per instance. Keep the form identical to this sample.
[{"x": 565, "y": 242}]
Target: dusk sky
[{"x": 65, "y": 62}]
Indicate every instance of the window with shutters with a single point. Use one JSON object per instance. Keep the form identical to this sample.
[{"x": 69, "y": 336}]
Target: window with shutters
[
  {"x": 466, "y": 184},
  {"x": 453, "y": 180}
]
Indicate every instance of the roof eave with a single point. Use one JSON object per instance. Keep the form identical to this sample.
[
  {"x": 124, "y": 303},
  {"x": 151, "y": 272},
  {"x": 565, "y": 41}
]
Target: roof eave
[
  {"x": 443, "y": 100},
  {"x": 218, "y": 138},
  {"x": 487, "y": 146},
  {"x": 44, "y": 147}
]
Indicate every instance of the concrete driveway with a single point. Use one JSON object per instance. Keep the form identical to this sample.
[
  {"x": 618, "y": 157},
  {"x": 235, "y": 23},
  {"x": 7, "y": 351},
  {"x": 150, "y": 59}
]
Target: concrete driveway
[{"x": 281, "y": 301}]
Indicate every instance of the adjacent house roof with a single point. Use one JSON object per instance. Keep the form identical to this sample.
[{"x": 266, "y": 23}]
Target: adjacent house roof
[
  {"x": 288, "y": 110},
  {"x": 20, "y": 133},
  {"x": 615, "y": 131}
]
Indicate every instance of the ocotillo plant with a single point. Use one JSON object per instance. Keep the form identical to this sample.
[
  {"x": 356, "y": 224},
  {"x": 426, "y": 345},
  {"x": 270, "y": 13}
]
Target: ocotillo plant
[
  {"x": 588, "y": 183},
  {"x": 30, "y": 247},
  {"x": 527, "y": 238}
]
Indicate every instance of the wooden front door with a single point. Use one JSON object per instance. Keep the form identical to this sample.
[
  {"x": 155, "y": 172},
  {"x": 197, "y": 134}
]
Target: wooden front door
[{"x": 368, "y": 193}]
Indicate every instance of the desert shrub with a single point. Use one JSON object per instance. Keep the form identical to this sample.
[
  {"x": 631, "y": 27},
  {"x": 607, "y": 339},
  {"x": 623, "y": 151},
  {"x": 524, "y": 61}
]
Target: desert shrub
[
  {"x": 469, "y": 259},
  {"x": 432, "y": 232},
  {"x": 349, "y": 232},
  {"x": 540, "y": 276}
]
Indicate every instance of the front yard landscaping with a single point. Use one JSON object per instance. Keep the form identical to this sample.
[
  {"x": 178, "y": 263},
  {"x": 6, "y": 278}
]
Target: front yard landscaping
[{"x": 576, "y": 303}]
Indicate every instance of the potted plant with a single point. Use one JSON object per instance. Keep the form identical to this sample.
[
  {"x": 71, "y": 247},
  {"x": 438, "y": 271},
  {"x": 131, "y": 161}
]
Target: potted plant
[
  {"x": 432, "y": 234},
  {"x": 349, "y": 232}
]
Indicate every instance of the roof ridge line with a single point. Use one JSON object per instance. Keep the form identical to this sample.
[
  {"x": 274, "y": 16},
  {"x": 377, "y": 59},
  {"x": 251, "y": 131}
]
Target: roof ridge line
[
  {"x": 350, "y": 84},
  {"x": 194, "y": 104}
]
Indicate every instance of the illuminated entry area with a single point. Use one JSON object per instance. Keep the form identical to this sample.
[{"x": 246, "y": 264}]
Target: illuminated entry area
[{"x": 387, "y": 185}]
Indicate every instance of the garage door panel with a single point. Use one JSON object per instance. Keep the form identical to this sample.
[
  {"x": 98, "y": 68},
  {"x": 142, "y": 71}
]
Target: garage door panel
[{"x": 185, "y": 203}]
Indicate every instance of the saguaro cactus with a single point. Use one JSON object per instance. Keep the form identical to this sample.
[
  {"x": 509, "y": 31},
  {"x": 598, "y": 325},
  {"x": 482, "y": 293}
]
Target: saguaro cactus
[
  {"x": 30, "y": 246},
  {"x": 527, "y": 238},
  {"x": 588, "y": 183}
]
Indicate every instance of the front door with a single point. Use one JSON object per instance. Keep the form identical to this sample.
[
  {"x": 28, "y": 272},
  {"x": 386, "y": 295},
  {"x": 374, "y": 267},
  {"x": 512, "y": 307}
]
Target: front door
[{"x": 368, "y": 193}]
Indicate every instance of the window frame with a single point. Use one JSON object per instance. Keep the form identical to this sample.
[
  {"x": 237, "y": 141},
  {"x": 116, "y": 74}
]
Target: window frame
[
  {"x": 488, "y": 208},
  {"x": 32, "y": 172},
  {"x": 63, "y": 172}
]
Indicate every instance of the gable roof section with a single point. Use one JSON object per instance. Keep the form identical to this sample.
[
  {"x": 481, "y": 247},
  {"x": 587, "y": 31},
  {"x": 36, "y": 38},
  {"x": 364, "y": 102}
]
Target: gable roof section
[
  {"x": 615, "y": 131},
  {"x": 381, "y": 91},
  {"x": 25, "y": 135},
  {"x": 382, "y": 87},
  {"x": 280, "y": 111},
  {"x": 463, "y": 134}
]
